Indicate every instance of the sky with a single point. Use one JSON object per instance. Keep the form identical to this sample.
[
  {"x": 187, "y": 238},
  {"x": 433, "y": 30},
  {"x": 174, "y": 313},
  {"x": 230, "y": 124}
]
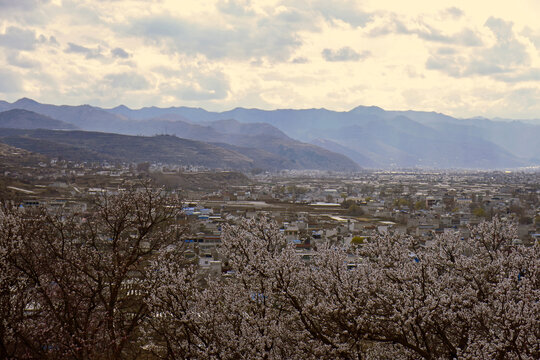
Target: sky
[{"x": 463, "y": 58}]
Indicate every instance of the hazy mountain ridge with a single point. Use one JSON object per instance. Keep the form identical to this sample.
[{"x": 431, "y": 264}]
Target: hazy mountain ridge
[
  {"x": 231, "y": 126},
  {"x": 404, "y": 142},
  {"x": 156, "y": 112},
  {"x": 358, "y": 157},
  {"x": 371, "y": 136},
  {"x": 396, "y": 138},
  {"x": 84, "y": 117},
  {"x": 4, "y": 105},
  {"x": 290, "y": 153},
  {"x": 24, "y": 119}
]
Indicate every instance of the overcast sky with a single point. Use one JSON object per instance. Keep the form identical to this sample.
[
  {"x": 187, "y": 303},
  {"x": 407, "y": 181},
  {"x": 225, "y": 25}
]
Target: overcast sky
[{"x": 464, "y": 58}]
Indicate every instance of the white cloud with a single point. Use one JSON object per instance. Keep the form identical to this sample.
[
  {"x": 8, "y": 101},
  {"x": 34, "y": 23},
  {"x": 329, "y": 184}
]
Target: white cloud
[
  {"x": 120, "y": 53},
  {"x": 235, "y": 7},
  {"x": 17, "y": 59},
  {"x": 425, "y": 31},
  {"x": 20, "y": 4},
  {"x": 126, "y": 80},
  {"x": 453, "y": 12},
  {"x": 19, "y": 38},
  {"x": 344, "y": 54},
  {"x": 196, "y": 84},
  {"x": 273, "y": 38},
  {"x": 300, "y": 60},
  {"x": 89, "y": 53},
  {"x": 507, "y": 55}
]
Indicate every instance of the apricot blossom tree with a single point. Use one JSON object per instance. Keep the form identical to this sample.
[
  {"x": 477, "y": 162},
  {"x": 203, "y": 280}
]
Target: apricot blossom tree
[
  {"x": 76, "y": 278},
  {"x": 393, "y": 297}
]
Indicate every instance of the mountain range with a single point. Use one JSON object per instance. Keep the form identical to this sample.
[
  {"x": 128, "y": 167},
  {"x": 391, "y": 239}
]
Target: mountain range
[
  {"x": 224, "y": 144},
  {"x": 321, "y": 139}
]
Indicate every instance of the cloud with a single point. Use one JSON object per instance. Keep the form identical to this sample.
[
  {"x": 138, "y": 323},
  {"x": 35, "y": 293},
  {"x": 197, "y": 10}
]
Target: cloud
[
  {"x": 17, "y": 59},
  {"x": 522, "y": 76},
  {"x": 446, "y": 64},
  {"x": 127, "y": 81},
  {"x": 454, "y": 12},
  {"x": 235, "y": 7},
  {"x": 53, "y": 41},
  {"x": 508, "y": 51},
  {"x": 197, "y": 85},
  {"x": 279, "y": 53},
  {"x": 525, "y": 98},
  {"x": 34, "y": 13},
  {"x": 506, "y": 56},
  {"x": 21, "y": 4},
  {"x": 533, "y": 36},
  {"x": 97, "y": 52},
  {"x": 120, "y": 53},
  {"x": 344, "y": 54},
  {"x": 300, "y": 60},
  {"x": 424, "y": 31},
  {"x": 446, "y": 51},
  {"x": 89, "y": 53},
  {"x": 274, "y": 38},
  {"x": 413, "y": 73},
  {"x": 9, "y": 82},
  {"x": 346, "y": 11},
  {"x": 18, "y": 38},
  {"x": 461, "y": 66}
]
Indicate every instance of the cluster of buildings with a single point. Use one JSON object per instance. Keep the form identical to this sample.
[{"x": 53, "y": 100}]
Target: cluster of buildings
[
  {"x": 356, "y": 208},
  {"x": 311, "y": 209}
]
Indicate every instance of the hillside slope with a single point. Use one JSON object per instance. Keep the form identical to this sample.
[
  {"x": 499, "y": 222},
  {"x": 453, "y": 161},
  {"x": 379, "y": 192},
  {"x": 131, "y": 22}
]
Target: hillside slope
[
  {"x": 24, "y": 119},
  {"x": 166, "y": 149}
]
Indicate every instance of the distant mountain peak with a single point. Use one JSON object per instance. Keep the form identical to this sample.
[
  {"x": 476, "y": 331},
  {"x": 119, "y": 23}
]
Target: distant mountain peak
[
  {"x": 25, "y": 101},
  {"x": 367, "y": 109},
  {"x": 121, "y": 107}
]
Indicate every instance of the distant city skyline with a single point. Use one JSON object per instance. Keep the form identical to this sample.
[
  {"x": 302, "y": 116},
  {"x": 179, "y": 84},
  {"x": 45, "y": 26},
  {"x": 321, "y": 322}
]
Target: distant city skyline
[{"x": 460, "y": 58}]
